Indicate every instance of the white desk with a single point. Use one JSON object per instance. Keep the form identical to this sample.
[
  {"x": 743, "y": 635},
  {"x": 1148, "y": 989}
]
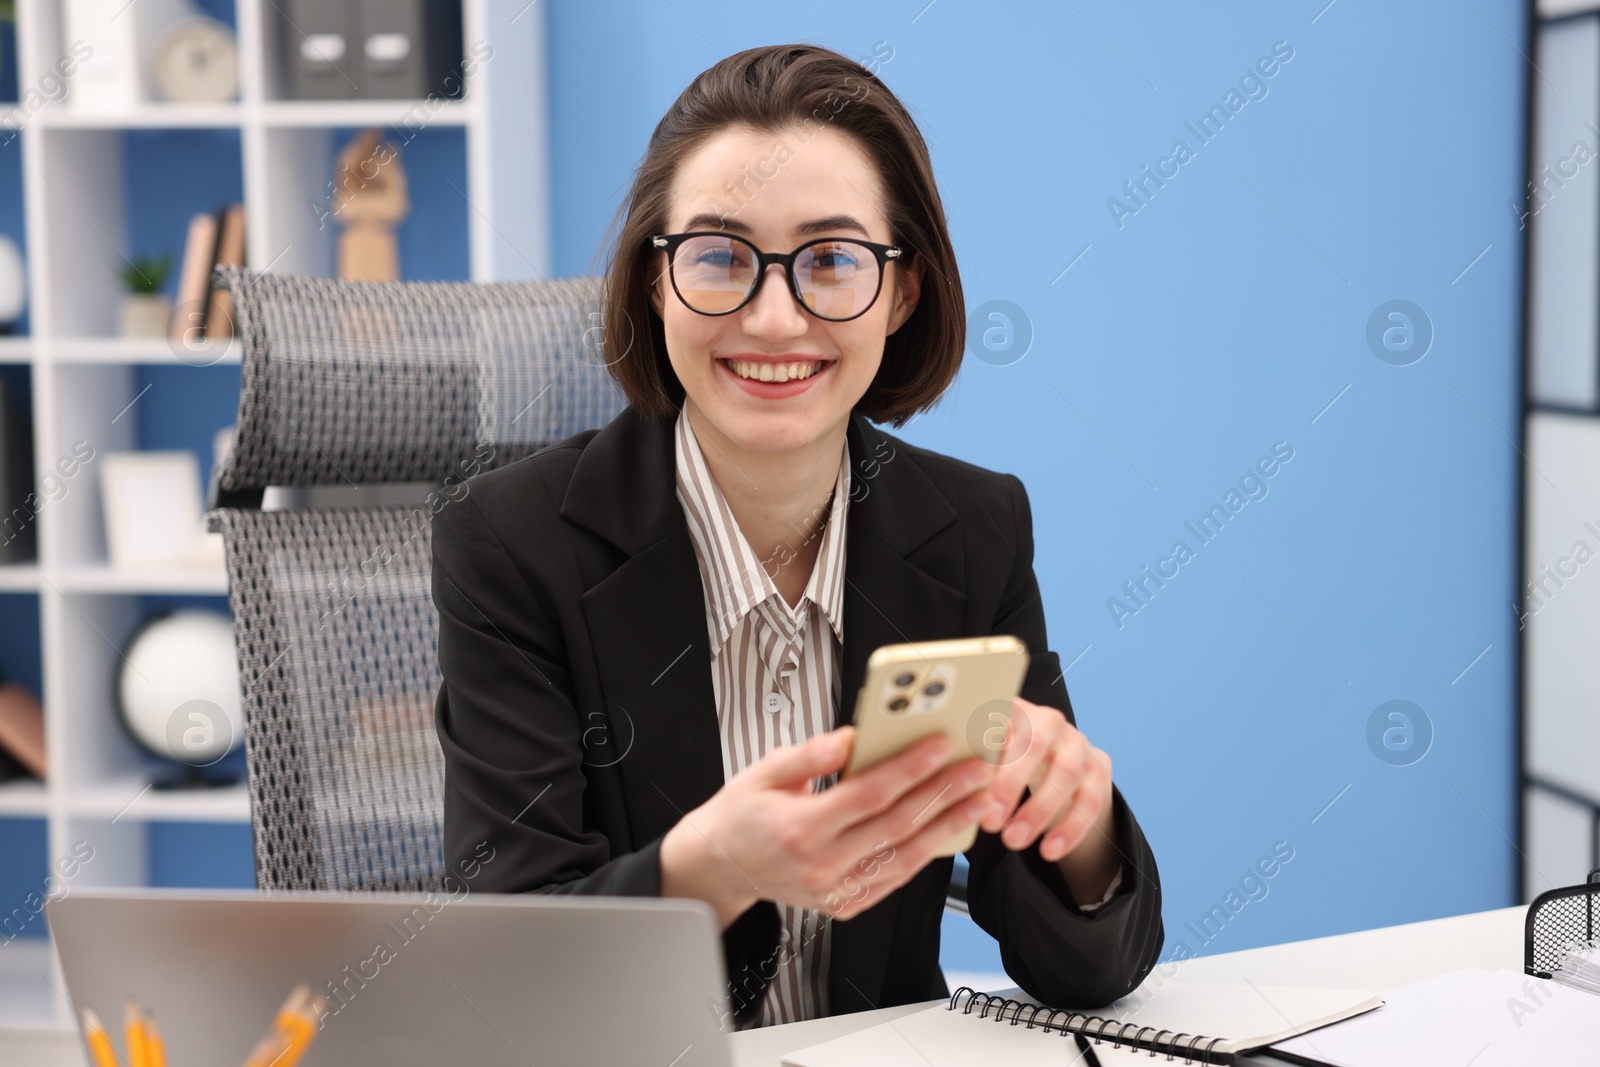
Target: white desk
[{"x": 1370, "y": 959}]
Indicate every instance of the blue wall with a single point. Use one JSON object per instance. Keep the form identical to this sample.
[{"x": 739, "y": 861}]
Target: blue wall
[{"x": 1219, "y": 319}]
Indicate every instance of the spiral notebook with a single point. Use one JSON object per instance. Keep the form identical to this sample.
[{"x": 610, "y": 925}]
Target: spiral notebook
[{"x": 1186, "y": 1021}]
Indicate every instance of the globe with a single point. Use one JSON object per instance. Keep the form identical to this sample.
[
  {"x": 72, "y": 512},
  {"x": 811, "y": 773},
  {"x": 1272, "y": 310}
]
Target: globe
[{"x": 178, "y": 691}]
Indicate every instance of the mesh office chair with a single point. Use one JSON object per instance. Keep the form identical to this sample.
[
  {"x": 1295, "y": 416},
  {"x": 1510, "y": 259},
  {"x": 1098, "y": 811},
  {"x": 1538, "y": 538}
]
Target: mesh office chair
[{"x": 371, "y": 384}]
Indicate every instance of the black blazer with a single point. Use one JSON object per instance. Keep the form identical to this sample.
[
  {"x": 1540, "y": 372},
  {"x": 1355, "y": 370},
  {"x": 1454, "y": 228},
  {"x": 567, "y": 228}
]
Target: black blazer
[{"x": 578, "y": 722}]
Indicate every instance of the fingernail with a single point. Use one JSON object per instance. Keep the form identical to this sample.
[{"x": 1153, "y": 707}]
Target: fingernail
[
  {"x": 1053, "y": 848},
  {"x": 1019, "y": 832}
]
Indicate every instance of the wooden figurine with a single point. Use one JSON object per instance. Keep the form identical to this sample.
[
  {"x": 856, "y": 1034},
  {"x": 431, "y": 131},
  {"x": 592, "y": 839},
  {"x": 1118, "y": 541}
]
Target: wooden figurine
[{"x": 369, "y": 202}]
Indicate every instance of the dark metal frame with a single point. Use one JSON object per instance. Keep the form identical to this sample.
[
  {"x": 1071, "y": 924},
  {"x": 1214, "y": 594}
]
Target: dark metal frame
[
  {"x": 1525, "y": 779},
  {"x": 1590, "y": 888}
]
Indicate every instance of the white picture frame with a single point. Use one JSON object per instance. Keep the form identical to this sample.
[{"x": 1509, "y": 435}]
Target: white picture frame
[{"x": 152, "y": 507}]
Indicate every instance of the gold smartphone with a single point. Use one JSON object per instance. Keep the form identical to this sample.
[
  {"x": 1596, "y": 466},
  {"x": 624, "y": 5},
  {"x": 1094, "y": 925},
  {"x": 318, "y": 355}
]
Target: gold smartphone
[{"x": 961, "y": 687}]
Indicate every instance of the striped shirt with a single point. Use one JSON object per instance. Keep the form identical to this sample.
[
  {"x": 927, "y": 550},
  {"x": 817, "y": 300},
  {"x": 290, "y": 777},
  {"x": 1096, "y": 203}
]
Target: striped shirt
[{"x": 775, "y": 675}]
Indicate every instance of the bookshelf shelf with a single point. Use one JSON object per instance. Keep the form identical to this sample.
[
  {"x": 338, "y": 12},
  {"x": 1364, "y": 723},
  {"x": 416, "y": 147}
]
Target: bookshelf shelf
[
  {"x": 148, "y": 116},
  {"x": 97, "y": 580},
  {"x": 130, "y": 797},
  {"x": 401, "y": 115},
  {"x": 92, "y": 350},
  {"x": 99, "y": 189},
  {"x": 19, "y": 578},
  {"x": 23, "y": 798}
]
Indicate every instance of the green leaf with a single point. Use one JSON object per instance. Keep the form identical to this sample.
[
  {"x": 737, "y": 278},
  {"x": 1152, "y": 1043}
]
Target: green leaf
[{"x": 145, "y": 274}]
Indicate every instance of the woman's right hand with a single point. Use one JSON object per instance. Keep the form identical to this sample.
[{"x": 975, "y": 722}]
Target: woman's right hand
[{"x": 765, "y": 835}]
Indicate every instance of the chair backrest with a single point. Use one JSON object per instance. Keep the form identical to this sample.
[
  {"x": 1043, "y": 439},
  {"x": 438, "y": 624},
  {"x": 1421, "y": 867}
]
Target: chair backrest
[{"x": 366, "y": 384}]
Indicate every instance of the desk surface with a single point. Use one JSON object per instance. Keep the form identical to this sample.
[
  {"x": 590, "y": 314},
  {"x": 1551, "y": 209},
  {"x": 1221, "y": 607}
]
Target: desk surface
[{"x": 1369, "y": 959}]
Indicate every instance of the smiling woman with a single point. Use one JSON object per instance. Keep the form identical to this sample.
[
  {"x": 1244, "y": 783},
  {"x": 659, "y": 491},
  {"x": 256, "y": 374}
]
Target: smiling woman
[{"x": 701, "y": 582}]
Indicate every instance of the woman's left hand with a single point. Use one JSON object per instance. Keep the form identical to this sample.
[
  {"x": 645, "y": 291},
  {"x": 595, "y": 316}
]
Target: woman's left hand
[{"x": 1069, "y": 807}]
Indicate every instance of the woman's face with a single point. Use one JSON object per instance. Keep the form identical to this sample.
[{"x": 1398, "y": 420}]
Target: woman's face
[{"x": 825, "y": 178}]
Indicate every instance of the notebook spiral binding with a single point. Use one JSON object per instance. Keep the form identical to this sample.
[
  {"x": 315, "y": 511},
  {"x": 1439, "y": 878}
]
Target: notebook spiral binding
[{"x": 991, "y": 1006}]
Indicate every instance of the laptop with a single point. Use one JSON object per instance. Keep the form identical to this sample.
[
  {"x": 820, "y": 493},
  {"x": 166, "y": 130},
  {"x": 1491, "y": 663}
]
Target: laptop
[{"x": 411, "y": 980}]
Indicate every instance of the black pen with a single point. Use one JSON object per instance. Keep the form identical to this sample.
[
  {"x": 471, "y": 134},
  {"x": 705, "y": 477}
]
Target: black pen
[{"x": 1089, "y": 1058}]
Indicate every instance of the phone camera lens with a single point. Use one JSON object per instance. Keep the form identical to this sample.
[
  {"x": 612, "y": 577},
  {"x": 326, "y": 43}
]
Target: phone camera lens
[
  {"x": 934, "y": 688},
  {"x": 899, "y": 704},
  {"x": 904, "y": 679}
]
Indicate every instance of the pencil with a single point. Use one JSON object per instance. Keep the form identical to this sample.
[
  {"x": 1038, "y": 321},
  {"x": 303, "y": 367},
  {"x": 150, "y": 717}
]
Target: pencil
[
  {"x": 299, "y": 1039},
  {"x": 302, "y": 1026},
  {"x": 155, "y": 1052},
  {"x": 277, "y": 1044},
  {"x": 94, "y": 1033},
  {"x": 134, "y": 1031}
]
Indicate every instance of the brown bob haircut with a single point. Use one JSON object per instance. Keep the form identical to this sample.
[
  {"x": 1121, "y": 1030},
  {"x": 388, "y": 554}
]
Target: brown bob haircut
[{"x": 771, "y": 89}]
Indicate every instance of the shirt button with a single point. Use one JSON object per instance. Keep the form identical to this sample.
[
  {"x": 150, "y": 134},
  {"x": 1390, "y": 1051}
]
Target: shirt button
[{"x": 773, "y": 702}]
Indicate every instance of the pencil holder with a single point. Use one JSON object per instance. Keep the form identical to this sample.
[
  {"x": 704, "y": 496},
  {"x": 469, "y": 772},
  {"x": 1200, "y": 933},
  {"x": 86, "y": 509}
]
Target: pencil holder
[{"x": 1557, "y": 920}]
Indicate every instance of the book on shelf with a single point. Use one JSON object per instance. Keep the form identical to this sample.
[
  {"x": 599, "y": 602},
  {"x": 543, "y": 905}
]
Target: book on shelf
[
  {"x": 205, "y": 312},
  {"x": 194, "y": 280},
  {"x": 21, "y": 733},
  {"x": 229, "y": 250}
]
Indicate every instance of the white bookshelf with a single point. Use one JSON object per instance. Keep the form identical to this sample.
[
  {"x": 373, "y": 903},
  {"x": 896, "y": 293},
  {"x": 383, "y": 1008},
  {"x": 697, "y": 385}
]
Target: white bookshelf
[{"x": 83, "y": 376}]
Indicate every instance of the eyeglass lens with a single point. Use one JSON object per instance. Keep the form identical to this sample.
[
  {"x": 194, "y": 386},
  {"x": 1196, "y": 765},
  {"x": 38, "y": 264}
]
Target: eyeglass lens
[{"x": 837, "y": 279}]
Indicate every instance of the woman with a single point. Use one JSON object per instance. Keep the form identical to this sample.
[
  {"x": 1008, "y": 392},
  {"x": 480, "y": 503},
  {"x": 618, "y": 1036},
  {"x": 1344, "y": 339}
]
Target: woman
[{"x": 646, "y": 630}]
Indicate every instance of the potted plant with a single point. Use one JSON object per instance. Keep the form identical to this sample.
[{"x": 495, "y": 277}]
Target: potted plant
[{"x": 145, "y": 308}]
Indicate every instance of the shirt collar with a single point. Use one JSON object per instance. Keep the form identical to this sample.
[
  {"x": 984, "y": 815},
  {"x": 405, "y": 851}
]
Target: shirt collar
[{"x": 736, "y": 582}]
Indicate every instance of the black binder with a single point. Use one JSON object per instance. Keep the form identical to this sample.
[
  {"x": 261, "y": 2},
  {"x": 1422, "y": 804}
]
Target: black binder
[{"x": 19, "y": 506}]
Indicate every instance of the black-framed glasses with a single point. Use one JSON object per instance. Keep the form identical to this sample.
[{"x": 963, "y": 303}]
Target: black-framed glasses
[{"x": 834, "y": 278}]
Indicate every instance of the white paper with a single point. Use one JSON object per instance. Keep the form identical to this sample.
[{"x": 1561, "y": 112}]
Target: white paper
[{"x": 1487, "y": 1018}]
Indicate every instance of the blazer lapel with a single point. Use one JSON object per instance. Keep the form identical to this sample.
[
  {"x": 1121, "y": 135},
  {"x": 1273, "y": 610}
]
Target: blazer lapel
[
  {"x": 904, "y": 581},
  {"x": 647, "y": 623}
]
